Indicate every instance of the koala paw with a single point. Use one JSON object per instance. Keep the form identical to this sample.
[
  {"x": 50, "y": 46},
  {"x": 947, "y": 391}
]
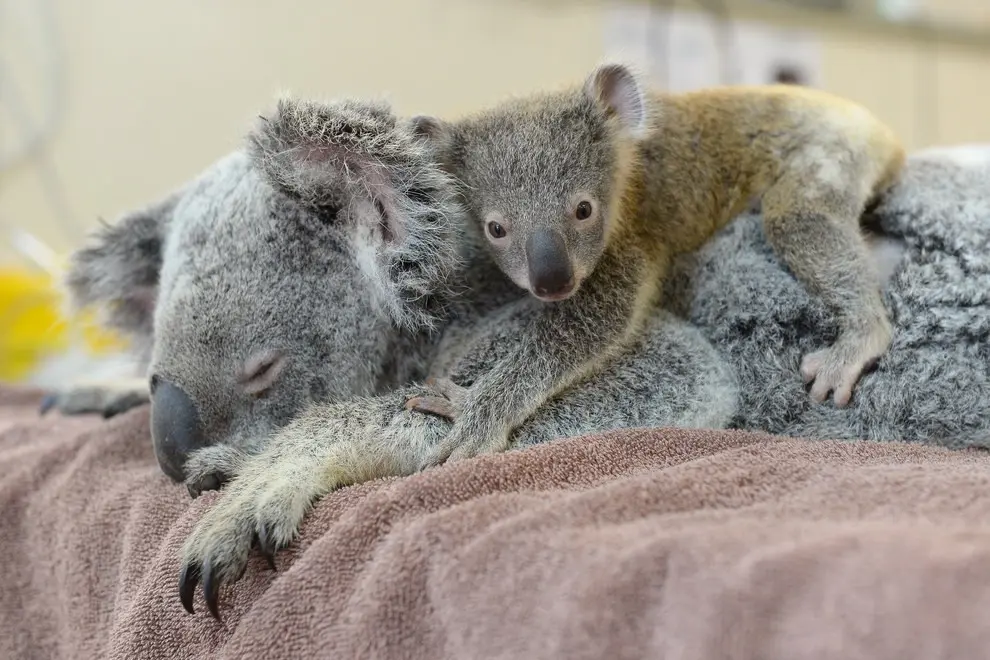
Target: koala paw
[
  {"x": 447, "y": 402},
  {"x": 211, "y": 467},
  {"x": 838, "y": 368},
  {"x": 263, "y": 506},
  {"x": 107, "y": 399}
]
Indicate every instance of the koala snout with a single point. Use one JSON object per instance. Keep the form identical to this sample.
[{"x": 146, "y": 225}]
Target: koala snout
[
  {"x": 550, "y": 273},
  {"x": 176, "y": 430}
]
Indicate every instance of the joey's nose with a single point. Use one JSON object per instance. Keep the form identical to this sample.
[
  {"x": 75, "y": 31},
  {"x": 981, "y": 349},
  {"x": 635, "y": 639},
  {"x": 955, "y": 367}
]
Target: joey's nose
[
  {"x": 550, "y": 272},
  {"x": 176, "y": 430}
]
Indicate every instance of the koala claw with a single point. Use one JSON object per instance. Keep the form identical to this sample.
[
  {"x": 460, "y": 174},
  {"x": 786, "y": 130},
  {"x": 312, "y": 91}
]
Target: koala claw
[
  {"x": 200, "y": 485},
  {"x": 188, "y": 579},
  {"x": 447, "y": 403},
  {"x": 257, "y": 509},
  {"x": 266, "y": 546}
]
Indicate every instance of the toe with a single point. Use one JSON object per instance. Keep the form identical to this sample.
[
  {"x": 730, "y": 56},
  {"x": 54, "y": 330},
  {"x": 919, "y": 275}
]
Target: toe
[
  {"x": 820, "y": 390},
  {"x": 188, "y": 579},
  {"x": 211, "y": 588},
  {"x": 267, "y": 546}
]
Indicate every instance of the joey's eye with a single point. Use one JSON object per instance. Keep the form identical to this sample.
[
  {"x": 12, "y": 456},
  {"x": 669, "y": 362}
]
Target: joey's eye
[
  {"x": 496, "y": 230},
  {"x": 583, "y": 210}
]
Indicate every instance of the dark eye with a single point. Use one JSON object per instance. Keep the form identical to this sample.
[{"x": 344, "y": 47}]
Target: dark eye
[
  {"x": 496, "y": 230},
  {"x": 583, "y": 210}
]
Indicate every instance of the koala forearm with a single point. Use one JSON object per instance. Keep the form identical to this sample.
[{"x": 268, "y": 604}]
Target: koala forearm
[
  {"x": 354, "y": 441},
  {"x": 568, "y": 341}
]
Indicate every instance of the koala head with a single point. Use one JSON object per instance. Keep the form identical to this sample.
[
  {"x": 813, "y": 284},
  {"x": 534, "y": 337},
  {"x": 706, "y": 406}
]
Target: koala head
[
  {"x": 543, "y": 176},
  {"x": 282, "y": 275}
]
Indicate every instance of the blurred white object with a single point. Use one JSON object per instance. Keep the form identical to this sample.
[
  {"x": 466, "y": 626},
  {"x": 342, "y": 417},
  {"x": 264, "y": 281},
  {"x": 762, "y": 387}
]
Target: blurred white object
[
  {"x": 964, "y": 154},
  {"x": 899, "y": 10},
  {"x": 681, "y": 50}
]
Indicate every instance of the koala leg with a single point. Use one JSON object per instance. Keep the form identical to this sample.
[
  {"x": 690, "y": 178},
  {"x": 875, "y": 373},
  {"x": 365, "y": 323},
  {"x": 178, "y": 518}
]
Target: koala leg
[
  {"x": 106, "y": 397},
  {"x": 327, "y": 447}
]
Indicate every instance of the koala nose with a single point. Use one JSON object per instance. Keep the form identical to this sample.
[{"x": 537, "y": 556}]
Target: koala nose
[
  {"x": 176, "y": 430},
  {"x": 550, "y": 272}
]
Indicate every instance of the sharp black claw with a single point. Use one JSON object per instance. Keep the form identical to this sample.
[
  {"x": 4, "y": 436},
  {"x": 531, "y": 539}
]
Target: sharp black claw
[
  {"x": 188, "y": 580},
  {"x": 210, "y": 482},
  {"x": 211, "y": 590},
  {"x": 47, "y": 403},
  {"x": 266, "y": 547}
]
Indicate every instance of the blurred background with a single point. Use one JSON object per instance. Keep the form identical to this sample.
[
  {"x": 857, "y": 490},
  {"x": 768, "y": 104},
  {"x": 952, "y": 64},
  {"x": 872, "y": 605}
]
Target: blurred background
[{"x": 107, "y": 104}]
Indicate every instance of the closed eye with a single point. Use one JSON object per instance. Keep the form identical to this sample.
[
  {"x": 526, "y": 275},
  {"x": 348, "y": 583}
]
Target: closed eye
[{"x": 261, "y": 371}]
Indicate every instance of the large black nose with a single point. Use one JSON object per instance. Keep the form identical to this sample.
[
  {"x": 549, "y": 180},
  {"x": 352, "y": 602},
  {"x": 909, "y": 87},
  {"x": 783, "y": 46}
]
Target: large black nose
[
  {"x": 550, "y": 272},
  {"x": 176, "y": 430}
]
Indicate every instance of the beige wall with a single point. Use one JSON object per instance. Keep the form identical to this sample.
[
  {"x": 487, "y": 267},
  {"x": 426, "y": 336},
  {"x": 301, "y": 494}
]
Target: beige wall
[{"x": 157, "y": 90}]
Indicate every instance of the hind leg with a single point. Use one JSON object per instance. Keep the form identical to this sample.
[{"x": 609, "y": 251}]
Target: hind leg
[{"x": 815, "y": 231}]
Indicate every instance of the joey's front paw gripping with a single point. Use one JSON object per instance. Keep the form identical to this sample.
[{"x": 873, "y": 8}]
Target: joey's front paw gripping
[
  {"x": 447, "y": 402},
  {"x": 838, "y": 368},
  {"x": 470, "y": 435}
]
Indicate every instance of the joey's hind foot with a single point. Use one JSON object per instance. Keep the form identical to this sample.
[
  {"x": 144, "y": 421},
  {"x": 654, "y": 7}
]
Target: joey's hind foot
[{"x": 838, "y": 368}]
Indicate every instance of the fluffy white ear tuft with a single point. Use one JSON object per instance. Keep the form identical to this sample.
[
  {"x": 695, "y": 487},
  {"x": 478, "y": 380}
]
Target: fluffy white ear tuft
[{"x": 617, "y": 89}]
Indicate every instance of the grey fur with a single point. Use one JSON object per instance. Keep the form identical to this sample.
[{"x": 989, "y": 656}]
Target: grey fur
[
  {"x": 281, "y": 249},
  {"x": 248, "y": 265},
  {"x": 932, "y": 386}
]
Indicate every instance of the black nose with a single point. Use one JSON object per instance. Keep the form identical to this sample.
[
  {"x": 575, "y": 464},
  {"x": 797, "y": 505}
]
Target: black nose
[
  {"x": 176, "y": 430},
  {"x": 550, "y": 271}
]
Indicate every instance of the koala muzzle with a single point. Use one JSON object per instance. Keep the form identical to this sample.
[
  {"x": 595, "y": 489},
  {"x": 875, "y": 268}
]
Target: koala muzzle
[
  {"x": 550, "y": 272},
  {"x": 176, "y": 430}
]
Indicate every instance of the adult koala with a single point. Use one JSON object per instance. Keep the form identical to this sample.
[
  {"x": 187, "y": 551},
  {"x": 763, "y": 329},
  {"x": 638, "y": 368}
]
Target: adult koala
[{"x": 293, "y": 297}]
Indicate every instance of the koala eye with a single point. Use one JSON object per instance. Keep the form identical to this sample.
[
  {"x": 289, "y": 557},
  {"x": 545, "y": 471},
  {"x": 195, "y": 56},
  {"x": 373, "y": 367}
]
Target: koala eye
[
  {"x": 261, "y": 371},
  {"x": 496, "y": 230},
  {"x": 583, "y": 210}
]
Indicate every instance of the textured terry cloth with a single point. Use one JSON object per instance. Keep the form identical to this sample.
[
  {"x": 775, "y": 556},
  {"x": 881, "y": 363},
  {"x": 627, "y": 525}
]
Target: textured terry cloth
[{"x": 634, "y": 544}]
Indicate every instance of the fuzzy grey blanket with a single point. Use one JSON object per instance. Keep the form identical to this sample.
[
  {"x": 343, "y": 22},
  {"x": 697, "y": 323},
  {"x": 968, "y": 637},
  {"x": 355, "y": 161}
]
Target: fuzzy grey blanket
[{"x": 934, "y": 383}]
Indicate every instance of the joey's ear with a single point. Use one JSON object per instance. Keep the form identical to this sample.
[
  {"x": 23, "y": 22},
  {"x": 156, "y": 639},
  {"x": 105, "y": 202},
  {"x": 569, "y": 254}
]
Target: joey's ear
[
  {"x": 118, "y": 271},
  {"x": 616, "y": 88},
  {"x": 310, "y": 150},
  {"x": 430, "y": 128}
]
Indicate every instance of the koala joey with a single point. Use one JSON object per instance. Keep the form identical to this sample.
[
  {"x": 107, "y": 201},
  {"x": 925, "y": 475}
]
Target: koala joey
[
  {"x": 308, "y": 151},
  {"x": 586, "y": 195}
]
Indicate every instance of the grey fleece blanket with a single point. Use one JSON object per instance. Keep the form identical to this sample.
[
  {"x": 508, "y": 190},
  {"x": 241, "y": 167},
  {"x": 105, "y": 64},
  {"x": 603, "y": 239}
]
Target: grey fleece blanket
[{"x": 934, "y": 383}]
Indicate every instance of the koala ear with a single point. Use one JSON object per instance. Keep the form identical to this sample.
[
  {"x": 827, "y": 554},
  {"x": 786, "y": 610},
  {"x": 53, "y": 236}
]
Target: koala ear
[
  {"x": 119, "y": 270},
  {"x": 617, "y": 90},
  {"x": 312, "y": 150},
  {"x": 429, "y": 128}
]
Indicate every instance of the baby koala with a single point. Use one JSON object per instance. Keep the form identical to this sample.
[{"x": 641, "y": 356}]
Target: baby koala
[{"x": 586, "y": 195}]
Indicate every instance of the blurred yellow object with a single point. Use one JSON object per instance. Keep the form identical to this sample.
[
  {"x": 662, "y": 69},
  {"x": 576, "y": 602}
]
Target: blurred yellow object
[{"x": 33, "y": 327}]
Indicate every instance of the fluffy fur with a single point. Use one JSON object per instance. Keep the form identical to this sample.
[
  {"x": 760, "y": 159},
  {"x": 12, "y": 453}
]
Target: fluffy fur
[
  {"x": 586, "y": 195},
  {"x": 247, "y": 265},
  {"x": 934, "y": 383}
]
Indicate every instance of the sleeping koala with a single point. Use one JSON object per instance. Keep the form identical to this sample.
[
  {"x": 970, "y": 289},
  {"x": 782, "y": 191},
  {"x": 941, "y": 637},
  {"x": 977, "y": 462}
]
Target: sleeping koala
[
  {"x": 295, "y": 296},
  {"x": 248, "y": 303}
]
